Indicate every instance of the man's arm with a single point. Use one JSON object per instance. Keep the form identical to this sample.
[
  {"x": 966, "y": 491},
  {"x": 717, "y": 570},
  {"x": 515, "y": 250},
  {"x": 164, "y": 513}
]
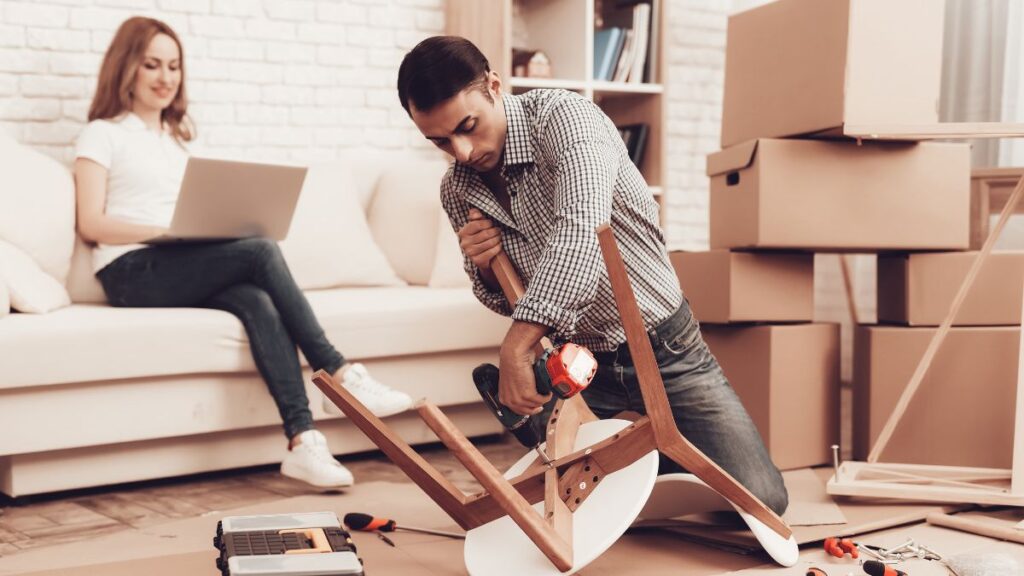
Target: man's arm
[
  {"x": 485, "y": 285},
  {"x": 583, "y": 146}
]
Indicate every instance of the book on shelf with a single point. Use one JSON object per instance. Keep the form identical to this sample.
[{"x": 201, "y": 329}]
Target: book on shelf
[
  {"x": 622, "y": 67},
  {"x": 607, "y": 47},
  {"x": 635, "y": 62},
  {"x": 651, "y": 70},
  {"x": 634, "y": 136},
  {"x": 641, "y": 35}
]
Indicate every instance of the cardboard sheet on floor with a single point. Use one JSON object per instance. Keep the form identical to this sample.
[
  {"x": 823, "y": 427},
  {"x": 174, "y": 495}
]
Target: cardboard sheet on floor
[
  {"x": 948, "y": 543},
  {"x": 183, "y": 547},
  {"x": 809, "y": 505},
  {"x": 861, "y": 515}
]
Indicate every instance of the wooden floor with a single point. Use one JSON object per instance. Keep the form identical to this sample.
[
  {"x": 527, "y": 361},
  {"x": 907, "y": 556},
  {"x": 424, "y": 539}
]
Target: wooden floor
[
  {"x": 60, "y": 518},
  {"x": 56, "y": 519}
]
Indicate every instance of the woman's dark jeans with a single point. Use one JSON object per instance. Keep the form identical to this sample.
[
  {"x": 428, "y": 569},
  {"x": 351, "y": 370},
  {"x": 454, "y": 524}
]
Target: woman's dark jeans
[
  {"x": 248, "y": 278},
  {"x": 704, "y": 405}
]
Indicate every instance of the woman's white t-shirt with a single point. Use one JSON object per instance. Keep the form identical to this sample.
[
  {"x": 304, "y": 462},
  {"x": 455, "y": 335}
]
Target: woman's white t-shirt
[{"x": 144, "y": 172}]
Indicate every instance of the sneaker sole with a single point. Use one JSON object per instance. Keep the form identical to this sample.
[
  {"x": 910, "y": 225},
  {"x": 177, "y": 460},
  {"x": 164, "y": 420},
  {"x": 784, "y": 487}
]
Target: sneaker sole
[
  {"x": 345, "y": 484},
  {"x": 335, "y": 411}
]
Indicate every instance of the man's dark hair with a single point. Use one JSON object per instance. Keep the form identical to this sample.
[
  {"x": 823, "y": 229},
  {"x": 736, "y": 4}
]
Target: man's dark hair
[{"x": 437, "y": 69}]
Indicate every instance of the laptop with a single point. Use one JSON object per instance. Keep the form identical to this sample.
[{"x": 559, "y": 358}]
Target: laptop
[{"x": 226, "y": 200}]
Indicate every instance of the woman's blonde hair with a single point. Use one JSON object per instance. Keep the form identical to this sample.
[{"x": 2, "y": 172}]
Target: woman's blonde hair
[{"x": 117, "y": 76}]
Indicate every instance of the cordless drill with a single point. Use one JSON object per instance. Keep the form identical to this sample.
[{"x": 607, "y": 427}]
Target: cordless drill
[{"x": 563, "y": 372}]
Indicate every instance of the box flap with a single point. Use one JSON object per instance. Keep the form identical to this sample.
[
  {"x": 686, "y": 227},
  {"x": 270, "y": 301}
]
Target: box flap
[
  {"x": 733, "y": 158},
  {"x": 941, "y": 130}
]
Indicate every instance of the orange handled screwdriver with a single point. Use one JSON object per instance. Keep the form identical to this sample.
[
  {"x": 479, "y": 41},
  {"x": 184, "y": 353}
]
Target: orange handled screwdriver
[{"x": 367, "y": 523}]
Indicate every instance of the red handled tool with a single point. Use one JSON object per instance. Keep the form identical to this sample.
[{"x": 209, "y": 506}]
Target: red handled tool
[
  {"x": 876, "y": 568},
  {"x": 840, "y": 547},
  {"x": 367, "y": 523}
]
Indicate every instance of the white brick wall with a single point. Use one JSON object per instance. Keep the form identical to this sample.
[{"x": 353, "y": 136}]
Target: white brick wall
[
  {"x": 696, "y": 64},
  {"x": 304, "y": 79},
  {"x": 272, "y": 79}
]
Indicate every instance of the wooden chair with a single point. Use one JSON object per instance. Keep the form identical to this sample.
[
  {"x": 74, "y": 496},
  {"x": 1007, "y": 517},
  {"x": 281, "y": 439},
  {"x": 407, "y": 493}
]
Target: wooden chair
[{"x": 585, "y": 455}]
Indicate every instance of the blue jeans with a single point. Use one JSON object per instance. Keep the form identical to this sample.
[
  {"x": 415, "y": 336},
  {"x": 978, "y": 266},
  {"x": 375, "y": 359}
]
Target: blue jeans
[
  {"x": 704, "y": 405},
  {"x": 248, "y": 278}
]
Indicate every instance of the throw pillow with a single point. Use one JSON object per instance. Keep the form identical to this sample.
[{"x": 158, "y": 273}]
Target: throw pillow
[
  {"x": 448, "y": 260},
  {"x": 403, "y": 217},
  {"x": 82, "y": 284},
  {"x": 38, "y": 207},
  {"x": 329, "y": 243},
  {"x": 31, "y": 290}
]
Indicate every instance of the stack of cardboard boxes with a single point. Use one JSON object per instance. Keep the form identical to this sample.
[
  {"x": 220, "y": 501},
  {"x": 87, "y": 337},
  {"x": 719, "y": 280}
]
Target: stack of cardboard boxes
[
  {"x": 963, "y": 413},
  {"x": 800, "y": 76}
]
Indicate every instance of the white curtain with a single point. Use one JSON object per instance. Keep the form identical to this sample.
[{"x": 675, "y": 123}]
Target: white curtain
[
  {"x": 973, "y": 68},
  {"x": 1011, "y": 152}
]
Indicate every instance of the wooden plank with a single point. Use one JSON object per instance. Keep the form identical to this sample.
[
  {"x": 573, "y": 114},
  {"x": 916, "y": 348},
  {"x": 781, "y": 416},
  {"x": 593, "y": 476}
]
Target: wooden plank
[
  {"x": 940, "y": 335},
  {"x": 561, "y": 436},
  {"x": 943, "y": 130},
  {"x": 1017, "y": 480},
  {"x": 548, "y": 541},
  {"x": 439, "y": 488},
  {"x": 666, "y": 434},
  {"x": 851, "y": 481},
  {"x": 851, "y": 299},
  {"x": 975, "y": 526}
]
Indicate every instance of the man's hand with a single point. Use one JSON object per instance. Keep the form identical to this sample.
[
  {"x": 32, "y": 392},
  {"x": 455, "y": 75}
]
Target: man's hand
[
  {"x": 517, "y": 385},
  {"x": 480, "y": 239}
]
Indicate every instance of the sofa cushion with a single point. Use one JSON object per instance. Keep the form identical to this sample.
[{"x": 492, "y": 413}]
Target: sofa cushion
[
  {"x": 31, "y": 289},
  {"x": 38, "y": 199},
  {"x": 82, "y": 285},
  {"x": 448, "y": 271},
  {"x": 403, "y": 217},
  {"x": 83, "y": 342},
  {"x": 5, "y": 299},
  {"x": 329, "y": 243}
]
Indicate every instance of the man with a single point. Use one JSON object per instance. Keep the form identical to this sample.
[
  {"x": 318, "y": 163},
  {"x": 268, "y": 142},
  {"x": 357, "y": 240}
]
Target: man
[{"x": 533, "y": 176}]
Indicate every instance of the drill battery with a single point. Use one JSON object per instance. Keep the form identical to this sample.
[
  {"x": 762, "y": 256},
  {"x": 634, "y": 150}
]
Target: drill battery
[{"x": 308, "y": 544}]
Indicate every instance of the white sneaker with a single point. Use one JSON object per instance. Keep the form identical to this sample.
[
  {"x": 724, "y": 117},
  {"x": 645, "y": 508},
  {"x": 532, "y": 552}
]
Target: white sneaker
[
  {"x": 378, "y": 398},
  {"x": 312, "y": 462}
]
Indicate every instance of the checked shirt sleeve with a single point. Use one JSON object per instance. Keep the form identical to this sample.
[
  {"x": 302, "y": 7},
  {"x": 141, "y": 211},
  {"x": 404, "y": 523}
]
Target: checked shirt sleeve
[
  {"x": 577, "y": 140},
  {"x": 457, "y": 210}
]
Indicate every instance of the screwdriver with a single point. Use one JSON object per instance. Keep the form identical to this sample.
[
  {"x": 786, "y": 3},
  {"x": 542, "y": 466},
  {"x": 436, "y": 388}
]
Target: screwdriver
[{"x": 367, "y": 523}]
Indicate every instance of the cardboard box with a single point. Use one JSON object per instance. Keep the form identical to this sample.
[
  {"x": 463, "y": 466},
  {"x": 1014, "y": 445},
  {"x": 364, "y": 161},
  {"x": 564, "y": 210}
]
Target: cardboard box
[
  {"x": 724, "y": 286},
  {"x": 795, "y": 67},
  {"x": 990, "y": 191},
  {"x": 962, "y": 414},
  {"x": 788, "y": 379},
  {"x": 918, "y": 289},
  {"x": 813, "y": 194}
]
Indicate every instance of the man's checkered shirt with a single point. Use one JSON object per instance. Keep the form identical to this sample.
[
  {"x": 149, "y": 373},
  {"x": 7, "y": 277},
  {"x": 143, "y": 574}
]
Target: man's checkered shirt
[{"x": 567, "y": 171}]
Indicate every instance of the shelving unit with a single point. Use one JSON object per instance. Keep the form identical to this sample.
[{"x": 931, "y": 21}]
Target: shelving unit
[{"x": 564, "y": 31}]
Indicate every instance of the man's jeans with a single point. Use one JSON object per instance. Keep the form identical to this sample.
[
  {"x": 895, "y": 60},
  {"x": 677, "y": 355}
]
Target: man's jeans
[
  {"x": 248, "y": 278},
  {"x": 706, "y": 410}
]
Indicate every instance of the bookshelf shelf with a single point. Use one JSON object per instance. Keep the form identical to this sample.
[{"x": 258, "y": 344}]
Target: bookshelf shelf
[
  {"x": 567, "y": 32},
  {"x": 626, "y": 88},
  {"x": 521, "y": 82}
]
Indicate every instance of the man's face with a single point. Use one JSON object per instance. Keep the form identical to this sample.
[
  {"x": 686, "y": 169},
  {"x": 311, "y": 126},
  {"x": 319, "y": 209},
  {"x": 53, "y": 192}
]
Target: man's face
[{"x": 469, "y": 126}]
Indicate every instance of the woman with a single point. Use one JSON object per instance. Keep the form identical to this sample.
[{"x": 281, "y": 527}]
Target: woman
[{"x": 129, "y": 164}]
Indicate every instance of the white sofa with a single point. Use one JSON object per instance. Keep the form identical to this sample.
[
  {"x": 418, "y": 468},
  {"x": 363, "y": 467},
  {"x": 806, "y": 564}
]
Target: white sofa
[{"x": 93, "y": 395}]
